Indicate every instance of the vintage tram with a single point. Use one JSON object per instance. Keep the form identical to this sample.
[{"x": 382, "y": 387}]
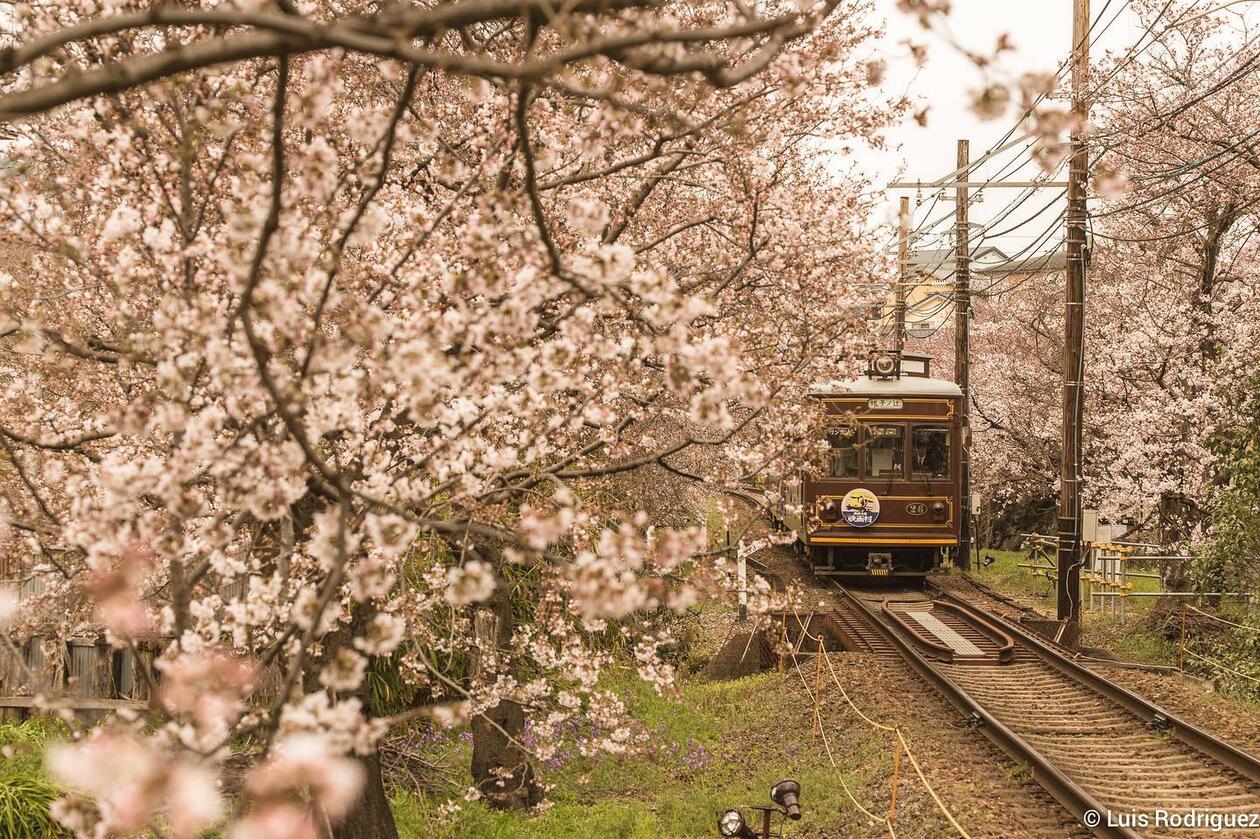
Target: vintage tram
[{"x": 884, "y": 498}]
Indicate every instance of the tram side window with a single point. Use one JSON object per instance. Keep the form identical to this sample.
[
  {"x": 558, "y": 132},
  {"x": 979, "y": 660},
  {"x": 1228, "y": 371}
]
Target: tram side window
[
  {"x": 929, "y": 455},
  {"x": 885, "y": 451},
  {"x": 842, "y": 459}
]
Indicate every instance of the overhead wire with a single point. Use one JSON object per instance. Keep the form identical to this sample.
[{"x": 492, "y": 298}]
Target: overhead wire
[
  {"x": 1237, "y": 73},
  {"x": 1018, "y": 257},
  {"x": 1021, "y": 198},
  {"x": 1134, "y": 51},
  {"x": 1016, "y": 263},
  {"x": 1014, "y": 204},
  {"x": 1091, "y": 39},
  {"x": 965, "y": 172},
  {"x": 1160, "y": 119},
  {"x": 1246, "y": 205},
  {"x": 1179, "y": 187}
]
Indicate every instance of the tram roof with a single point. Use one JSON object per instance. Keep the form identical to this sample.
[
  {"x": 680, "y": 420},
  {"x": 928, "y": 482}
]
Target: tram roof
[{"x": 904, "y": 386}]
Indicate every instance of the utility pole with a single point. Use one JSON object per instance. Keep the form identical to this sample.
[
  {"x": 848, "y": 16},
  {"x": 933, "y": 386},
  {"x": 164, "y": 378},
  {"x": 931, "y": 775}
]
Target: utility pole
[
  {"x": 962, "y": 346},
  {"x": 1069, "y": 583},
  {"x": 903, "y": 272}
]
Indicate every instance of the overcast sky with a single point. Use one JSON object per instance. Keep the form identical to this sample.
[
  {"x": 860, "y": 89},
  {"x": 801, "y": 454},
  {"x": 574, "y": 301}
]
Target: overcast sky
[{"x": 1042, "y": 32}]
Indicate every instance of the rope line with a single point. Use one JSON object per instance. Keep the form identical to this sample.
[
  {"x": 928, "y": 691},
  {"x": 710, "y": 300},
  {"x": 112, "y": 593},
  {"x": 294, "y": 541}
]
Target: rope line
[
  {"x": 836, "y": 678},
  {"x": 896, "y": 731},
  {"x": 1220, "y": 666},
  {"x": 1223, "y": 620},
  {"x": 940, "y": 804},
  {"x": 827, "y": 745}
]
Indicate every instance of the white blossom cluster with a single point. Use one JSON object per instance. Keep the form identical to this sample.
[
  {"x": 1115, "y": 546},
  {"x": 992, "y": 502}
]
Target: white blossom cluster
[{"x": 311, "y": 360}]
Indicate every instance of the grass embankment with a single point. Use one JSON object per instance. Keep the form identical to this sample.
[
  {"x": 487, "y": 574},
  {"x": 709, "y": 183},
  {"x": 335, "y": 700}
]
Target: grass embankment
[
  {"x": 1118, "y": 625},
  {"x": 715, "y": 745},
  {"x": 1146, "y": 630}
]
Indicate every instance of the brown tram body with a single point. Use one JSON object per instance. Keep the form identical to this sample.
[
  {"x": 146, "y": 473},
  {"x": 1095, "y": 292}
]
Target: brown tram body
[{"x": 885, "y": 499}]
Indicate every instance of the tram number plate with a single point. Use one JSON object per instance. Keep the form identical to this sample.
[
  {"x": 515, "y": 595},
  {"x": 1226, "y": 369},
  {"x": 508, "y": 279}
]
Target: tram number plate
[{"x": 884, "y": 404}]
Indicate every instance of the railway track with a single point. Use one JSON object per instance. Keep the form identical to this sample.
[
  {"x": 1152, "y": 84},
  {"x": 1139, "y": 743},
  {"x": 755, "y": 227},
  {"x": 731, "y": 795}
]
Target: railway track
[
  {"x": 923, "y": 621},
  {"x": 1093, "y": 745}
]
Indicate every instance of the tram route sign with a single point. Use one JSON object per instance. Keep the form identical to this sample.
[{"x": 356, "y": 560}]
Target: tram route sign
[{"x": 884, "y": 404}]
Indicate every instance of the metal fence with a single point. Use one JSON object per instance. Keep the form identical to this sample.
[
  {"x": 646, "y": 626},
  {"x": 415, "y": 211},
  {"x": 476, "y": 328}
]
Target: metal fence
[{"x": 1110, "y": 569}]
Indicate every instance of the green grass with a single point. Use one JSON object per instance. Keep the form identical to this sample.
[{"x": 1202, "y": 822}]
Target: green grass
[
  {"x": 1129, "y": 640},
  {"x": 25, "y": 792},
  {"x": 1006, "y": 576},
  {"x": 717, "y": 745}
]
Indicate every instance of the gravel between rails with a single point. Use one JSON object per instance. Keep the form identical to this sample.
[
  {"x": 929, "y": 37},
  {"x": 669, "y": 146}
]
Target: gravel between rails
[
  {"x": 1125, "y": 764},
  {"x": 1191, "y": 697},
  {"x": 987, "y": 792},
  {"x": 1112, "y": 754}
]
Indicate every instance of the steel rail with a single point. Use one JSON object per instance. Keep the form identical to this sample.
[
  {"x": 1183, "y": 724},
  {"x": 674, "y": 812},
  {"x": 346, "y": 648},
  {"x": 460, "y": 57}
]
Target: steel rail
[
  {"x": 936, "y": 647},
  {"x": 988, "y": 591},
  {"x": 1066, "y": 791},
  {"x": 1196, "y": 738},
  {"x": 1005, "y": 643}
]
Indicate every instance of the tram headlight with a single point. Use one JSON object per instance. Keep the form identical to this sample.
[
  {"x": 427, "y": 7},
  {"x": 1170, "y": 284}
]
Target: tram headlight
[
  {"x": 938, "y": 511},
  {"x": 731, "y": 823},
  {"x": 884, "y": 365}
]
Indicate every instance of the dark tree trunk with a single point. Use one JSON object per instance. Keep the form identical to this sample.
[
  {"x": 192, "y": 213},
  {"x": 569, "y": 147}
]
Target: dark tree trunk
[
  {"x": 370, "y": 817},
  {"x": 1219, "y": 223},
  {"x": 501, "y": 769}
]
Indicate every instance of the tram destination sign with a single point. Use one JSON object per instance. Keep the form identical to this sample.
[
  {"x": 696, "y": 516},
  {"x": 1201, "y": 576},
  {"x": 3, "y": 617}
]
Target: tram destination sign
[{"x": 884, "y": 404}]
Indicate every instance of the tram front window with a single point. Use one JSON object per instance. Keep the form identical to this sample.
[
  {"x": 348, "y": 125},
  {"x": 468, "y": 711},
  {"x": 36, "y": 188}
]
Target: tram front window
[
  {"x": 930, "y": 453},
  {"x": 842, "y": 459},
  {"x": 885, "y": 451}
]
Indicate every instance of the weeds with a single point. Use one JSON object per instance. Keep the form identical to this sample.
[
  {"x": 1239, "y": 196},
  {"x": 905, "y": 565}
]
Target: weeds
[{"x": 26, "y": 795}]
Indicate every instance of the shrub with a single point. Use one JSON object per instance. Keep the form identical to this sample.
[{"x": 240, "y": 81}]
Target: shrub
[
  {"x": 24, "y": 807},
  {"x": 26, "y": 796}
]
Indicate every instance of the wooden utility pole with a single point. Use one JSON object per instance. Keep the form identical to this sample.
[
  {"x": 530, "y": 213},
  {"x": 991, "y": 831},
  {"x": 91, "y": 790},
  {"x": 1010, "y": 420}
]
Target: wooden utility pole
[
  {"x": 1069, "y": 583},
  {"x": 962, "y": 345},
  {"x": 903, "y": 274}
]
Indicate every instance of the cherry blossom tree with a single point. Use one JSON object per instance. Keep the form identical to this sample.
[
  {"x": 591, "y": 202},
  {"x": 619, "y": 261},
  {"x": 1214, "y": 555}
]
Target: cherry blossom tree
[
  {"x": 1176, "y": 124},
  {"x": 330, "y": 327},
  {"x": 1172, "y": 291}
]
